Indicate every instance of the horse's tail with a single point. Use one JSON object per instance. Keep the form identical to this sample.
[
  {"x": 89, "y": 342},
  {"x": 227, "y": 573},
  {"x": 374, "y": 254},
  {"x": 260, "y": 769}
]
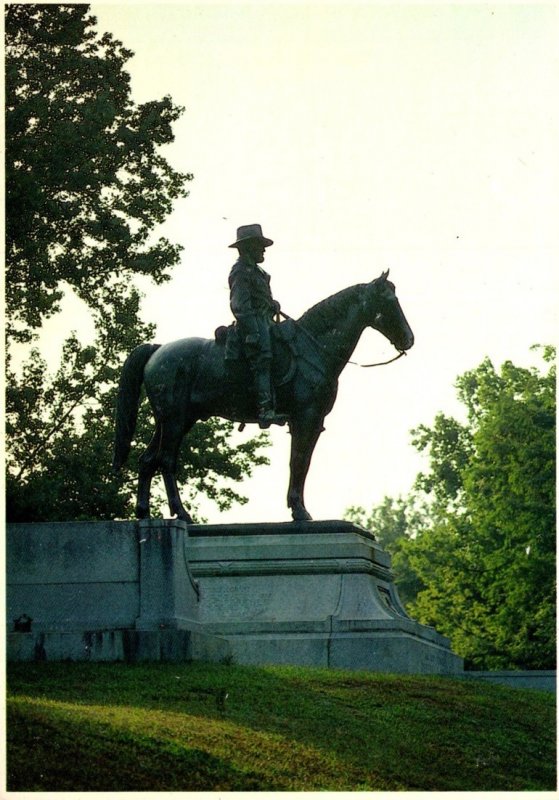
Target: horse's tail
[{"x": 128, "y": 399}]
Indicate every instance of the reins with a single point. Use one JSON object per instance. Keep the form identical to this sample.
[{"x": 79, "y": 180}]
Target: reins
[
  {"x": 321, "y": 347},
  {"x": 380, "y": 363}
]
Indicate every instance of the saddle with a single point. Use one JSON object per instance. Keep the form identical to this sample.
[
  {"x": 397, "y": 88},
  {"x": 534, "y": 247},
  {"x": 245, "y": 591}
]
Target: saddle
[{"x": 284, "y": 349}]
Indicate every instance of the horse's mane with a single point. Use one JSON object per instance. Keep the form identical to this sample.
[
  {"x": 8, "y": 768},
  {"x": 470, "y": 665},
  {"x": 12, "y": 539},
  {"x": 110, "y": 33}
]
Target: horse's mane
[{"x": 324, "y": 314}]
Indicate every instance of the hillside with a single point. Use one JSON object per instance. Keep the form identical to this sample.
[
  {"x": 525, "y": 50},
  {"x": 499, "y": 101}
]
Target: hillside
[{"x": 208, "y": 727}]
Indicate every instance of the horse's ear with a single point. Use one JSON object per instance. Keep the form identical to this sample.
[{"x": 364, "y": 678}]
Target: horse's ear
[{"x": 384, "y": 275}]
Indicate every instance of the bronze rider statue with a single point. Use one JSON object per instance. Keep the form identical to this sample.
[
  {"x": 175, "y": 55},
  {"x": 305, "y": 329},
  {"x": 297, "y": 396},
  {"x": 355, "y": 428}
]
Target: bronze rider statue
[{"x": 254, "y": 307}]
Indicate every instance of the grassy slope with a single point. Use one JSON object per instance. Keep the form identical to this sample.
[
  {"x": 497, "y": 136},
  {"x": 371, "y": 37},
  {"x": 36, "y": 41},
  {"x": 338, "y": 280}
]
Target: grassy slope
[{"x": 166, "y": 727}]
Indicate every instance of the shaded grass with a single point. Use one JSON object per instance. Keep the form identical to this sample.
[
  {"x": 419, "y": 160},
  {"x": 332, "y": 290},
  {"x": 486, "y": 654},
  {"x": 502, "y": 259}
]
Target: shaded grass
[{"x": 168, "y": 727}]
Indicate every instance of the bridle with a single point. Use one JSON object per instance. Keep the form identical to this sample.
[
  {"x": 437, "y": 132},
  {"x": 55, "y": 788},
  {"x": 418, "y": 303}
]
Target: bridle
[{"x": 339, "y": 358}]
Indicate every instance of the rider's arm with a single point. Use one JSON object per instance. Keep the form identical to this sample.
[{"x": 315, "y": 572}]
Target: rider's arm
[
  {"x": 241, "y": 294},
  {"x": 242, "y": 305}
]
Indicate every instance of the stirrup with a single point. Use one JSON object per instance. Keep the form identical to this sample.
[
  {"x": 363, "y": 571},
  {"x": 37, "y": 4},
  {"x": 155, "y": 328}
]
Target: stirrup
[{"x": 268, "y": 416}]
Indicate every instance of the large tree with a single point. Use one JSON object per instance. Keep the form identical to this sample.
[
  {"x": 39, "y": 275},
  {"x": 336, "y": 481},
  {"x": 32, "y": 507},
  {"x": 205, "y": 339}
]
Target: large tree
[
  {"x": 86, "y": 187},
  {"x": 85, "y": 181},
  {"x": 483, "y": 554}
]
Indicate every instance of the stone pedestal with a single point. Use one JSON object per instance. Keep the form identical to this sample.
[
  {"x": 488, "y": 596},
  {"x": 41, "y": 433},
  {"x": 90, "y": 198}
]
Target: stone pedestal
[{"x": 316, "y": 593}]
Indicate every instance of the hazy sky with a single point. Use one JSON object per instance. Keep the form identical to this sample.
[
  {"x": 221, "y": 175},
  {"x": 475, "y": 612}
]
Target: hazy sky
[{"x": 362, "y": 137}]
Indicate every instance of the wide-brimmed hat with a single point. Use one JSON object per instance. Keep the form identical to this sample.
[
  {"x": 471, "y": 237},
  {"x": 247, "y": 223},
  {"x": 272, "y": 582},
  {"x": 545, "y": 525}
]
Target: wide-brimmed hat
[{"x": 246, "y": 232}]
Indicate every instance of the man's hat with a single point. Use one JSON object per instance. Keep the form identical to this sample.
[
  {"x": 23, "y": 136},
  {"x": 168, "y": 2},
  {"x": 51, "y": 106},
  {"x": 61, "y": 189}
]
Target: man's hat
[{"x": 246, "y": 232}]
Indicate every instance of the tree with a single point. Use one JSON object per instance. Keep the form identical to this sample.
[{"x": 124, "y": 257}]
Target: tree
[
  {"x": 85, "y": 182},
  {"x": 484, "y": 558},
  {"x": 86, "y": 186}
]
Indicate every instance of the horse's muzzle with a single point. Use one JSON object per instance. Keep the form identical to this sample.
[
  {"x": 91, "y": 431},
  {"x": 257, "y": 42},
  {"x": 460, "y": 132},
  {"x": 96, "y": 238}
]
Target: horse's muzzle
[{"x": 405, "y": 343}]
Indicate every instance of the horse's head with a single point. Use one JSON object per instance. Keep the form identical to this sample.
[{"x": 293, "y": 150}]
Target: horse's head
[{"x": 386, "y": 315}]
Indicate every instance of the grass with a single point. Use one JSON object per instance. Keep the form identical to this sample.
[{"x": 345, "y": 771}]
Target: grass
[{"x": 169, "y": 727}]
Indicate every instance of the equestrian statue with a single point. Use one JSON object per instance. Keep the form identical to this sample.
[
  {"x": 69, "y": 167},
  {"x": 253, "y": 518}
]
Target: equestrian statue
[{"x": 258, "y": 370}]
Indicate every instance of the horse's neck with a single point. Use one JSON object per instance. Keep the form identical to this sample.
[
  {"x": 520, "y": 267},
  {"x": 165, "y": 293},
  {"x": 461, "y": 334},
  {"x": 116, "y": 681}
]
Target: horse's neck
[{"x": 337, "y": 323}]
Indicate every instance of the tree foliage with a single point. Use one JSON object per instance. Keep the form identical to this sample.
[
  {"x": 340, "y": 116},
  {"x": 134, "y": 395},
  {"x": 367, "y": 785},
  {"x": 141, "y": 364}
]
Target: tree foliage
[
  {"x": 86, "y": 187},
  {"x": 85, "y": 182},
  {"x": 482, "y": 553}
]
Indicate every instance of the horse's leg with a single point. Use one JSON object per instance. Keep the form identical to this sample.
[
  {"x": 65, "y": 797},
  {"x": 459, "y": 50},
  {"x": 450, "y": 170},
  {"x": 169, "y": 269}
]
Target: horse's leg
[
  {"x": 148, "y": 465},
  {"x": 171, "y": 438},
  {"x": 304, "y": 436}
]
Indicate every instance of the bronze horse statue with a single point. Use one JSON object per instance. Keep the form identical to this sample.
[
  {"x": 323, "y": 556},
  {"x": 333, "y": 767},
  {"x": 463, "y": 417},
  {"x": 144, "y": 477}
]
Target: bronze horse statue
[{"x": 191, "y": 379}]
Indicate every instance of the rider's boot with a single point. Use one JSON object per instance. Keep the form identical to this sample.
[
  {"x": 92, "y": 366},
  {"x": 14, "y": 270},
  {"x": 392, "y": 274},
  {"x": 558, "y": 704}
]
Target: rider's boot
[{"x": 266, "y": 413}]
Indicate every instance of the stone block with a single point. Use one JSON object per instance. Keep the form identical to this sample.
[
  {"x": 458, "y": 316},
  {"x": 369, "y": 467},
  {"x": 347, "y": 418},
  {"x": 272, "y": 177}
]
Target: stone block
[
  {"x": 91, "y": 552},
  {"x": 103, "y": 592},
  {"x": 168, "y": 592},
  {"x": 72, "y": 606},
  {"x": 316, "y": 594},
  {"x": 117, "y": 645},
  {"x": 72, "y": 575}
]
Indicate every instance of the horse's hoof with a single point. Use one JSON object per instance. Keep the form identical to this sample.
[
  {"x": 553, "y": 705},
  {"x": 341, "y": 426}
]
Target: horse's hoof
[
  {"x": 301, "y": 515},
  {"x": 142, "y": 512}
]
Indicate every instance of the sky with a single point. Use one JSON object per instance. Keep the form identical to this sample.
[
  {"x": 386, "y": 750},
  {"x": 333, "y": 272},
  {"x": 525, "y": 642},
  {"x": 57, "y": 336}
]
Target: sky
[{"x": 362, "y": 137}]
